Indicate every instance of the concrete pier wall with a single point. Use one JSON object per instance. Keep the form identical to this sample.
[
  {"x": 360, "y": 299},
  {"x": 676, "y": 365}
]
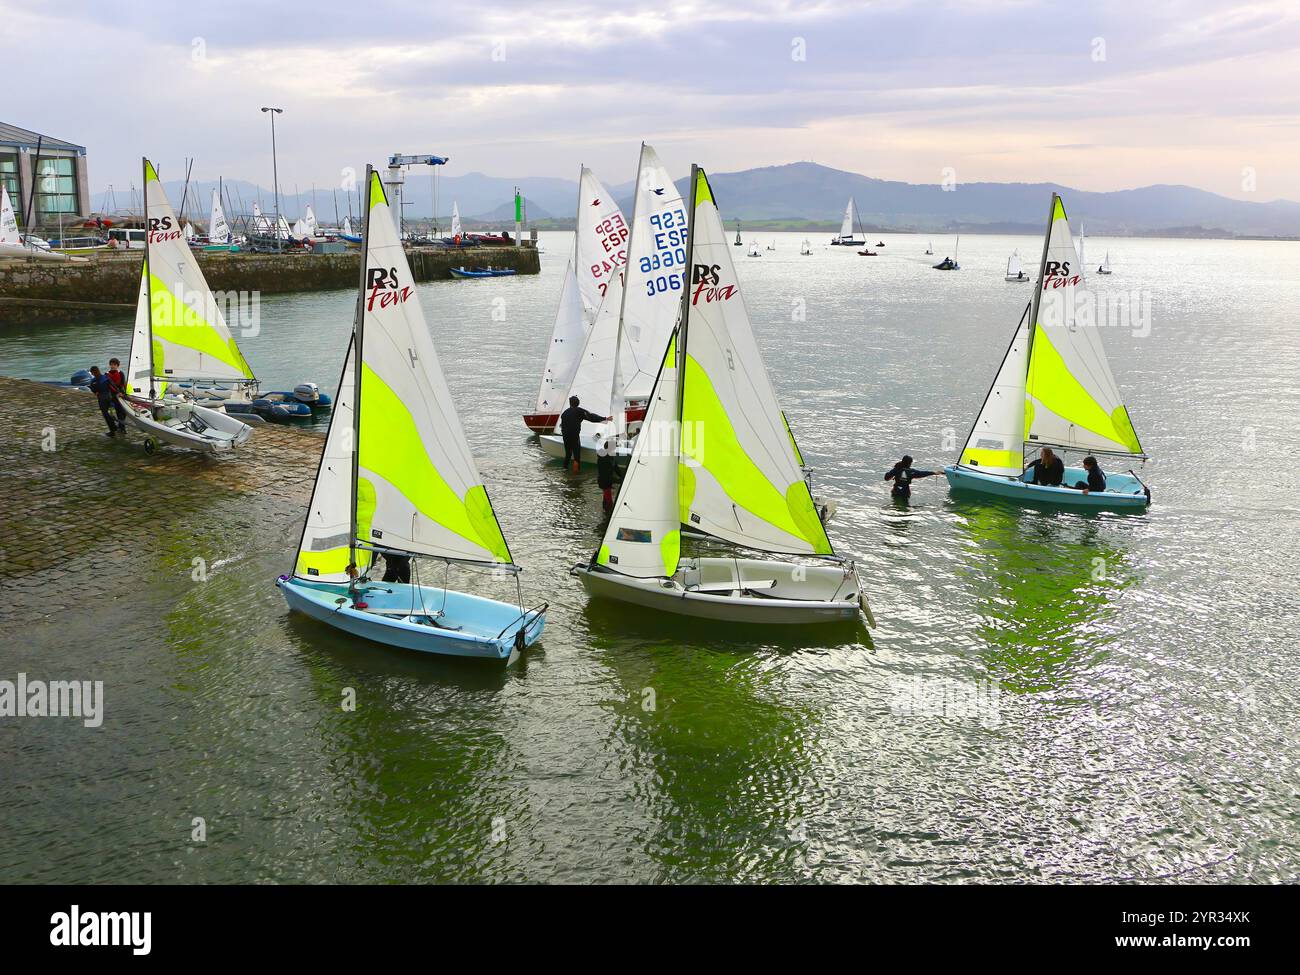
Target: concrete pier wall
[{"x": 108, "y": 284}]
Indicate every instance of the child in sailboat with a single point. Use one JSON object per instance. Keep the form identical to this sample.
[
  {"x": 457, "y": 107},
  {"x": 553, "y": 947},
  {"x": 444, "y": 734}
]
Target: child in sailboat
[
  {"x": 1096, "y": 476},
  {"x": 902, "y": 474},
  {"x": 1049, "y": 470}
]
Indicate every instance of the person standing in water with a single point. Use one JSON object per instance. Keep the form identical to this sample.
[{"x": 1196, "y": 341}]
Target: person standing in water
[
  {"x": 571, "y": 421},
  {"x": 607, "y": 473},
  {"x": 902, "y": 474}
]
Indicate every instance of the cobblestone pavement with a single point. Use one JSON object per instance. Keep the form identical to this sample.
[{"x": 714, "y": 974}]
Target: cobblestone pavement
[{"x": 83, "y": 513}]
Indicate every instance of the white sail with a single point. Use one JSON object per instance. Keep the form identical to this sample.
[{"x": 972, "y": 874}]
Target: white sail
[
  {"x": 996, "y": 441},
  {"x": 652, "y": 291},
  {"x": 1072, "y": 398},
  {"x": 189, "y": 231},
  {"x": 300, "y": 229},
  {"x": 261, "y": 223},
  {"x": 594, "y": 378},
  {"x": 190, "y": 337},
  {"x": 740, "y": 479},
  {"x": 455, "y": 219},
  {"x": 418, "y": 489},
  {"x": 347, "y": 226},
  {"x": 643, "y": 538},
  {"x": 567, "y": 340},
  {"x": 283, "y": 228},
  {"x": 309, "y": 221},
  {"x": 602, "y": 238},
  {"x": 850, "y": 215},
  {"x": 8, "y": 223},
  {"x": 1014, "y": 267},
  {"x": 326, "y": 548},
  {"x": 218, "y": 229}
]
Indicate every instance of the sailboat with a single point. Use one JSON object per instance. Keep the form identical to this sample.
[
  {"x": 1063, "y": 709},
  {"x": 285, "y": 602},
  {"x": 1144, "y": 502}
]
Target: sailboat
[
  {"x": 753, "y": 250},
  {"x": 396, "y": 478},
  {"x": 1016, "y": 270},
  {"x": 180, "y": 336},
  {"x": 29, "y": 246},
  {"x": 1104, "y": 267},
  {"x": 599, "y": 258},
  {"x": 850, "y": 235},
  {"x": 805, "y": 249},
  {"x": 715, "y": 456},
  {"x": 1055, "y": 389},
  {"x": 772, "y": 246},
  {"x": 929, "y": 249},
  {"x": 219, "y": 236},
  {"x": 346, "y": 231},
  {"x": 621, "y": 354}
]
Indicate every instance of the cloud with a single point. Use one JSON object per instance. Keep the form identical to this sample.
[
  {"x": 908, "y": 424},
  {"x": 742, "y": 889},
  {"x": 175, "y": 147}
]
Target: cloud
[{"x": 1189, "y": 93}]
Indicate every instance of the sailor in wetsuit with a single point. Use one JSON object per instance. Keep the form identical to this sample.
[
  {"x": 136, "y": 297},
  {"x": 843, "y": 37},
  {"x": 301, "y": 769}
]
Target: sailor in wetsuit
[
  {"x": 571, "y": 421},
  {"x": 902, "y": 475},
  {"x": 1096, "y": 476},
  {"x": 1049, "y": 470}
]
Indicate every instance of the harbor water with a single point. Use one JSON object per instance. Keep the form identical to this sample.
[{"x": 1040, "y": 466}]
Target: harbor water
[{"x": 1048, "y": 696}]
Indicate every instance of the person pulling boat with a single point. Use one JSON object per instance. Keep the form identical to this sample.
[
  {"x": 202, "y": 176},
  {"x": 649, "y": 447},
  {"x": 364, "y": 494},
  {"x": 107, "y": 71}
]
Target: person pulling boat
[
  {"x": 902, "y": 474},
  {"x": 571, "y": 421}
]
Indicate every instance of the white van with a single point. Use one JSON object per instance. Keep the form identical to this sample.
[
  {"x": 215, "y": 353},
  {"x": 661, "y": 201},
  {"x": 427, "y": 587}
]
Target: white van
[{"x": 126, "y": 238}]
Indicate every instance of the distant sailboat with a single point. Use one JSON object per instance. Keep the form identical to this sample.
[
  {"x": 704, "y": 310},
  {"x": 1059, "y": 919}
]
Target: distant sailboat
[
  {"x": 1015, "y": 270},
  {"x": 397, "y": 479},
  {"x": 929, "y": 249},
  {"x": 1054, "y": 388},
  {"x": 1104, "y": 267},
  {"x": 218, "y": 228},
  {"x": 849, "y": 235},
  {"x": 805, "y": 249},
  {"x": 455, "y": 220},
  {"x": 753, "y": 250}
]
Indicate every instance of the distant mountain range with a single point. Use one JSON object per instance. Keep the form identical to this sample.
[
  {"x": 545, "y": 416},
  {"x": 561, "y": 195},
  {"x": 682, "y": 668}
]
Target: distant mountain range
[{"x": 808, "y": 196}]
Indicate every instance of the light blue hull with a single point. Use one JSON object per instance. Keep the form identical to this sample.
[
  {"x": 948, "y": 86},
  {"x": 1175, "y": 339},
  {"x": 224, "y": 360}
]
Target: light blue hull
[
  {"x": 1124, "y": 492},
  {"x": 470, "y": 626}
]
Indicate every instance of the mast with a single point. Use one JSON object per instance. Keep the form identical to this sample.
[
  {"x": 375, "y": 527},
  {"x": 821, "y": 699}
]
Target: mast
[
  {"x": 358, "y": 337},
  {"x": 617, "y": 401},
  {"x": 686, "y": 300},
  {"x": 1038, "y": 285},
  {"x": 148, "y": 274}
]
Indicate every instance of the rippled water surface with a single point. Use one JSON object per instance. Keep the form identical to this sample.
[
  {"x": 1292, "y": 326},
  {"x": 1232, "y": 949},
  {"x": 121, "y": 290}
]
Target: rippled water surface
[{"x": 1048, "y": 697}]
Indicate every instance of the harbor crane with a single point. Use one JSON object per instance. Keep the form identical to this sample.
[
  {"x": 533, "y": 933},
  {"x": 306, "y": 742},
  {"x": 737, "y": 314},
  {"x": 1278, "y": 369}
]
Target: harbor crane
[{"x": 395, "y": 178}]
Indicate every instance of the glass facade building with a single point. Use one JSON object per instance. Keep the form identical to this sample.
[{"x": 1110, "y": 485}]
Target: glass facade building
[{"x": 49, "y": 188}]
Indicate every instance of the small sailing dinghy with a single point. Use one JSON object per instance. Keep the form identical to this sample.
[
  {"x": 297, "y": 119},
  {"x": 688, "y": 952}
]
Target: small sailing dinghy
[
  {"x": 805, "y": 249},
  {"x": 929, "y": 249},
  {"x": 620, "y": 357},
  {"x": 753, "y": 250},
  {"x": 1015, "y": 269},
  {"x": 772, "y": 246},
  {"x": 715, "y": 456},
  {"x": 1104, "y": 266},
  {"x": 850, "y": 234},
  {"x": 396, "y": 478},
  {"x": 1054, "y": 389},
  {"x": 180, "y": 336},
  {"x": 599, "y": 256}
]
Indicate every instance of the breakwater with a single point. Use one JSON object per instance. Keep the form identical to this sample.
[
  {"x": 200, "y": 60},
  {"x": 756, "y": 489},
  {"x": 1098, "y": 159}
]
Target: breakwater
[{"x": 109, "y": 283}]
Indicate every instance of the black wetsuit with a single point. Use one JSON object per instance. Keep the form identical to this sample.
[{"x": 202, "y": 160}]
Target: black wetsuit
[
  {"x": 397, "y": 568},
  {"x": 106, "y": 394},
  {"x": 1049, "y": 476},
  {"x": 1096, "y": 480},
  {"x": 607, "y": 471},
  {"x": 571, "y": 429},
  {"x": 902, "y": 478}
]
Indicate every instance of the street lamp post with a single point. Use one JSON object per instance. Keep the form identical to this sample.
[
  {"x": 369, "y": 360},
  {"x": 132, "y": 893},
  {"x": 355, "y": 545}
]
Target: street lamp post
[{"x": 275, "y": 175}]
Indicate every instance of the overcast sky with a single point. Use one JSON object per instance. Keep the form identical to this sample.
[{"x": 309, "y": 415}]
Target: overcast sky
[{"x": 1096, "y": 95}]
